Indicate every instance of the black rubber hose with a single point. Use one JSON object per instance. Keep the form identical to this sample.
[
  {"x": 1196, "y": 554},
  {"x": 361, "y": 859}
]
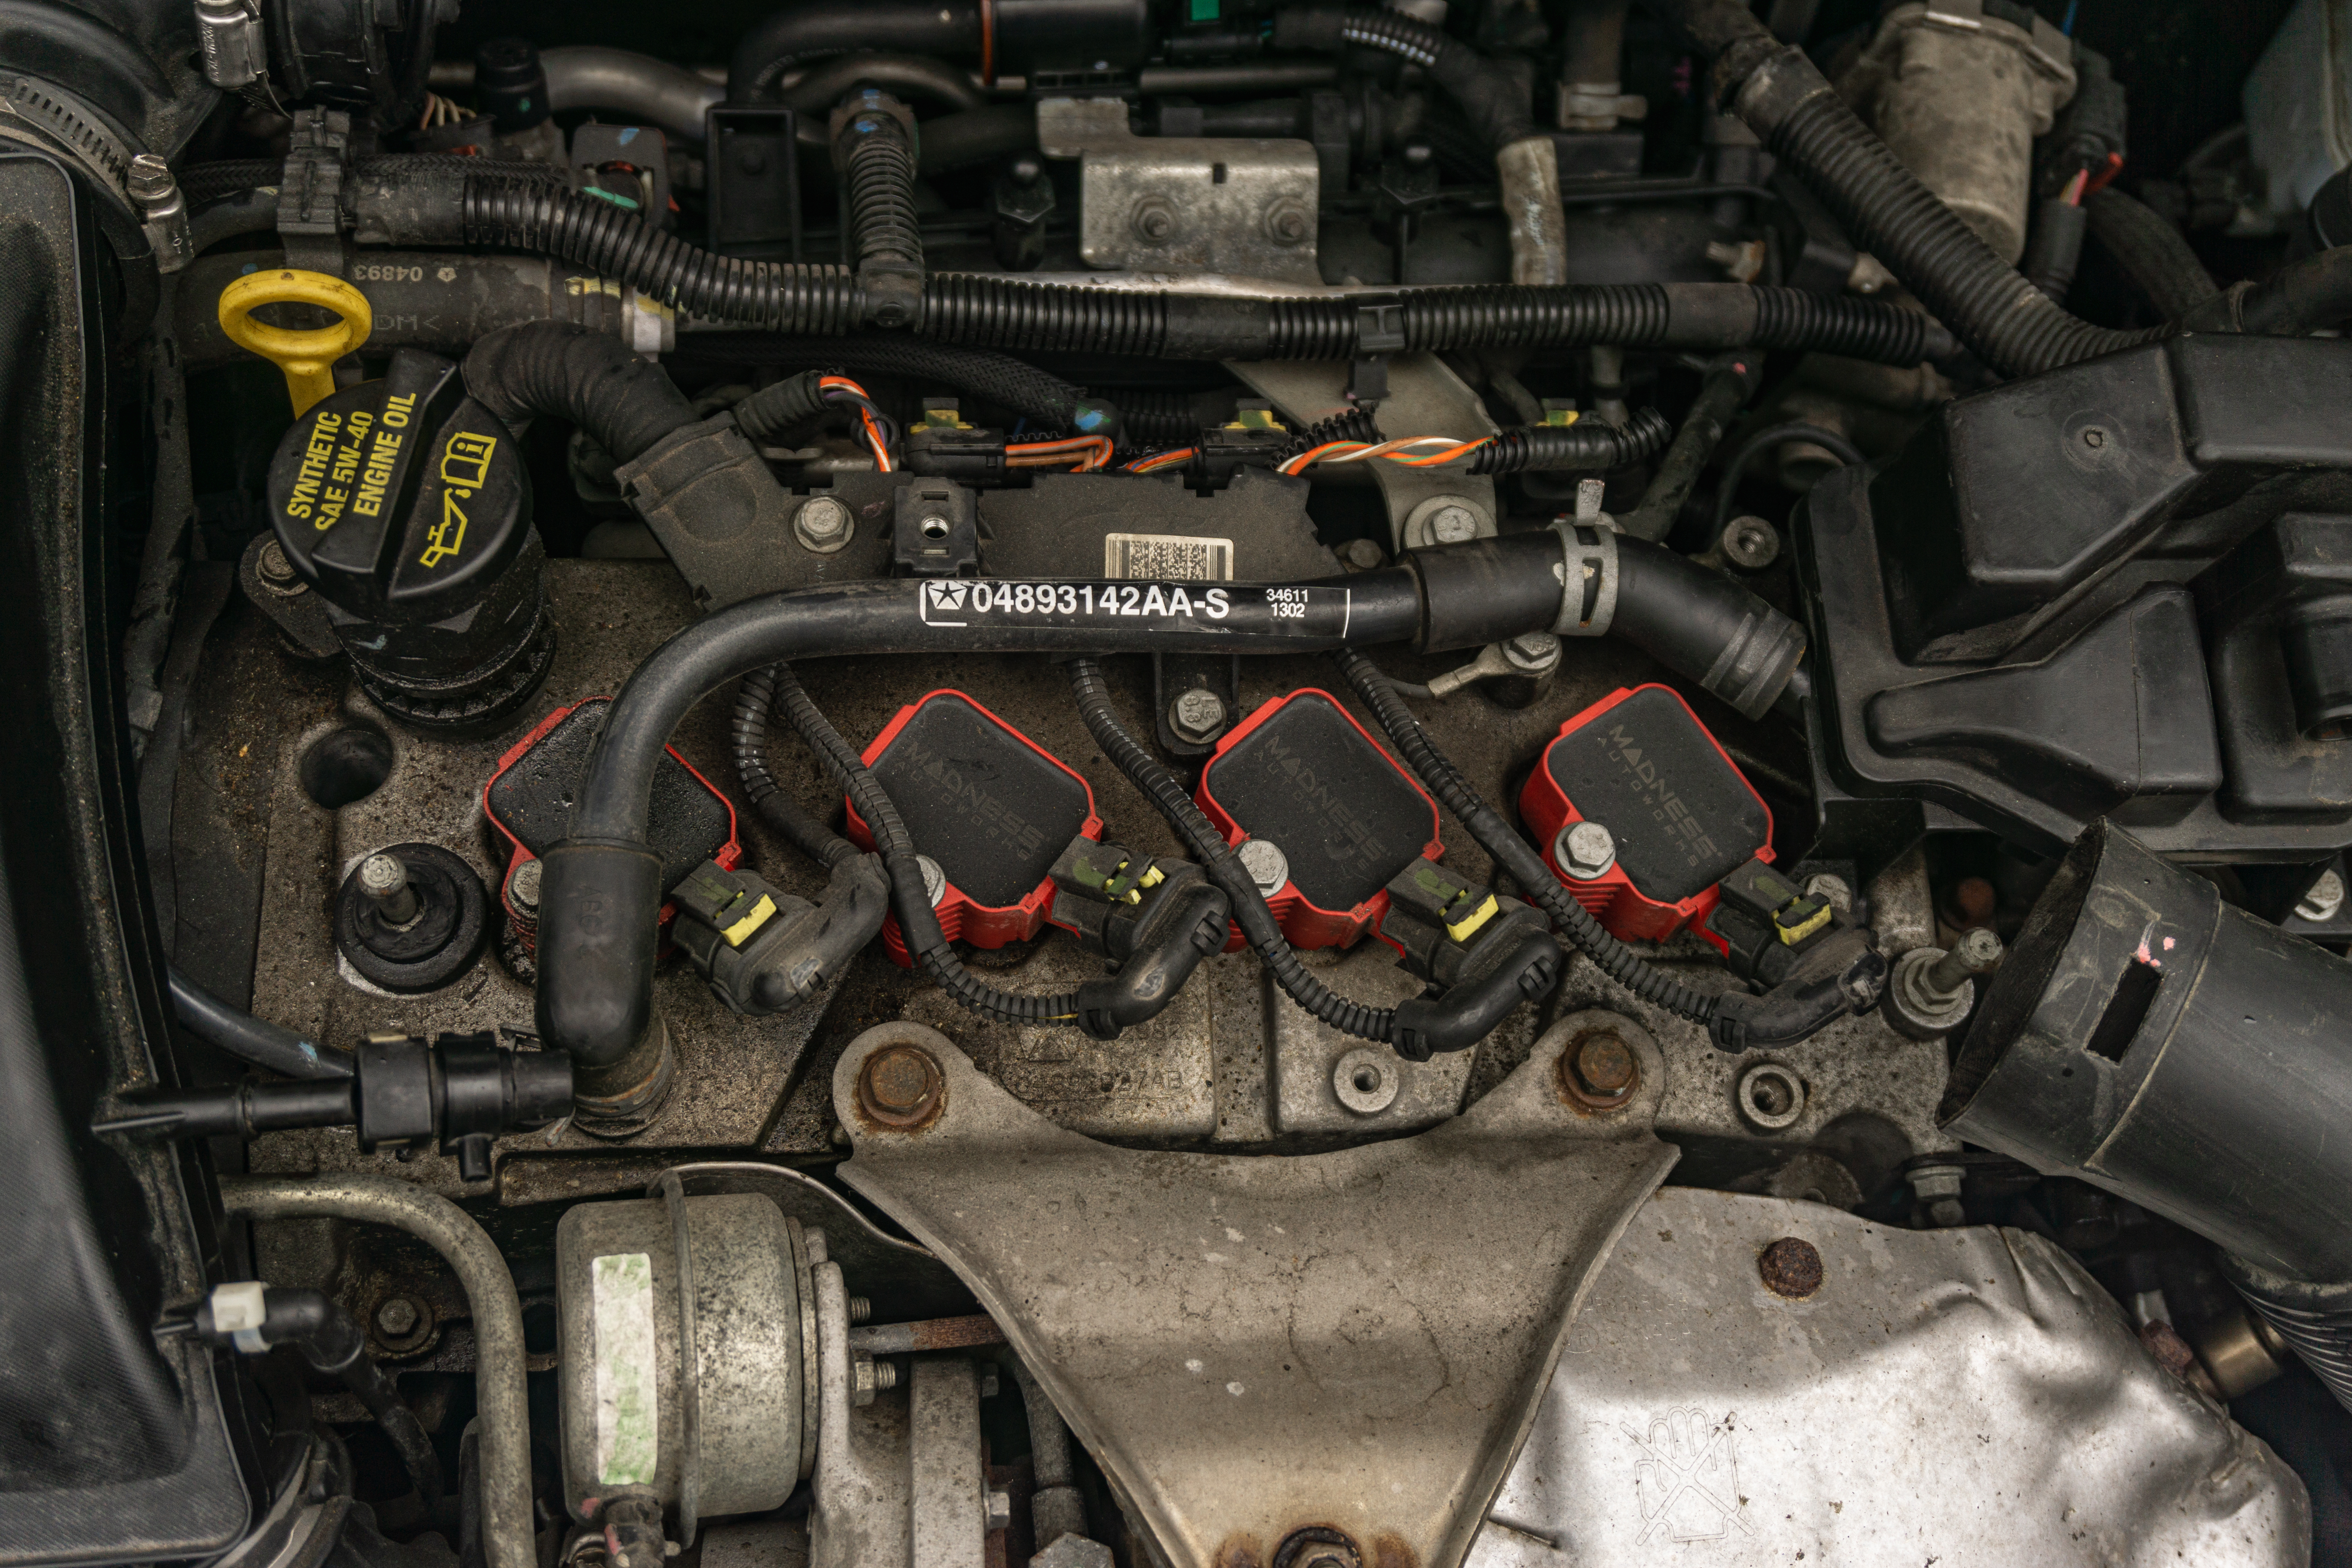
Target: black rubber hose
[
  {"x": 248, "y": 1039},
  {"x": 571, "y": 371},
  {"x": 1730, "y": 377},
  {"x": 1587, "y": 444},
  {"x": 1491, "y": 96},
  {"x": 786, "y": 404},
  {"x": 1010, "y": 384},
  {"x": 1705, "y": 626},
  {"x": 786, "y": 815},
  {"x": 1767, "y": 440},
  {"x": 780, "y": 297},
  {"x": 972, "y": 136},
  {"x": 333, "y": 1343},
  {"x": 246, "y": 212},
  {"x": 2303, "y": 296},
  {"x": 814, "y": 29},
  {"x": 1511, "y": 852},
  {"x": 935, "y": 957},
  {"x": 2152, "y": 253},
  {"x": 1225, "y": 868},
  {"x": 1987, "y": 303}
]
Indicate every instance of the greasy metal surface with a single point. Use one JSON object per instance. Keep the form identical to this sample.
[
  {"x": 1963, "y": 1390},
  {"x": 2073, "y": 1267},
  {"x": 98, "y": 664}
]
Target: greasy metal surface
[
  {"x": 1303, "y": 1055},
  {"x": 1221, "y": 204},
  {"x": 1425, "y": 398},
  {"x": 1252, "y": 1345},
  {"x": 1203, "y": 1074},
  {"x": 1966, "y": 1397}
]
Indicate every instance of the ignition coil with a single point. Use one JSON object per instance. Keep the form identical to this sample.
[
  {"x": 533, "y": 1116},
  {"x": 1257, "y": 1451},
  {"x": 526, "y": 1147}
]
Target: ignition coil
[
  {"x": 1642, "y": 813},
  {"x": 990, "y": 812}
]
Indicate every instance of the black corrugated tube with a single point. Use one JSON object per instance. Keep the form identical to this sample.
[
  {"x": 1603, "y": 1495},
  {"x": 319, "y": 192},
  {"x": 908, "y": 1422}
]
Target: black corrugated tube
[
  {"x": 1511, "y": 852},
  {"x": 1785, "y": 100},
  {"x": 1026, "y": 317},
  {"x": 934, "y": 957},
  {"x": 586, "y": 232},
  {"x": 1225, "y": 868},
  {"x": 786, "y": 815},
  {"x": 1587, "y": 444},
  {"x": 781, "y": 406}
]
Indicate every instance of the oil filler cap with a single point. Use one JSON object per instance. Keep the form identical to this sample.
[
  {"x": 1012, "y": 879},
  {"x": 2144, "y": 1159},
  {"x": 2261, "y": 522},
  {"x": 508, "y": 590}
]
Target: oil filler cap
[
  {"x": 405, "y": 505},
  {"x": 399, "y": 500}
]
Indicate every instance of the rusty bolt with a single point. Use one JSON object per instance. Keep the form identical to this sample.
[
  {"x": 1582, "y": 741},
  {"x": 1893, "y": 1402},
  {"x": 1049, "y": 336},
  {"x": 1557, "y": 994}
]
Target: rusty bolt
[
  {"x": 1791, "y": 1268},
  {"x": 1317, "y": 1546},
  {"x": 1153, "y": 220},
  {"x": 901, "y": 1087},
  {"x": 1599, "y": 1069}
]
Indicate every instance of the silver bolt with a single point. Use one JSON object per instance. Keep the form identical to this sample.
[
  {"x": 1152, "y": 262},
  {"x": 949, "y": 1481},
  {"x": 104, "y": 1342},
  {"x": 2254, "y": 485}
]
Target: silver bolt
[
  {"x": 1750, "y": 544},
  {"x": 1537, "y": 653},
  {"x": 1829, "y": 887},
  {"x": 384, "y": 880},
  {"x": 149, "y": 184},
  {"x": 1585, "y": 850},
  {"x": 522, "y": 887},
  {"x": 1286, "y": 223},
  {"x": 2324, "y": 900},
  {"x": 822, "y": 525},
  {"x": 1000, "y": 1510},
  {"x": 935, "y": 880},
  {"x": 886, "y": 1374},
  {"x": 1197, "y": 715},
  {"x": 396, "y": 1318},
  {"x": 1268, "y": 866},
  {"x": 1975, "y": 951},
  {"x": 860, "y": 1308},
  {"x": 276, "y": 572},
  {"x": 1153, "y": 220},
  {"x": 1454, "y": 525}
]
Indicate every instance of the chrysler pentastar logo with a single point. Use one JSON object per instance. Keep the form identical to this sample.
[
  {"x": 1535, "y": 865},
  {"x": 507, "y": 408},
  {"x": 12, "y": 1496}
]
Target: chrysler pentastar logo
[{"x": 947, "y": 595}]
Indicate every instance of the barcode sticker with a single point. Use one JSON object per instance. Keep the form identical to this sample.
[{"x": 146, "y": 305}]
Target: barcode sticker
[{"x": 1170, "y": 557}]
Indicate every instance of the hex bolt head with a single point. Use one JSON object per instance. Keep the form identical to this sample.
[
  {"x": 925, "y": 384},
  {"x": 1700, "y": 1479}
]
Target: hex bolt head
[
  {"x": 1288, "y": 222},
  {"x": 1790, "y": 1267},
  {"x": 1197, "y": 715},
  {"x": 1585, "y": 850},
  {"x": 822, "y": 525},
  {"x": 1537, "y": 653},
  {"x": 1268, "y": 866},
  {"x": 999, "y": 1507},
  {"x": 1831, "y": 889},
  {"x": 901, "y": 1087},
  {"x": 1153, "y": 220},
  {"x": 384, "y": 880},
  {"x": 2325, "y": 899},
  {"x": 1453, "y": 525},
  {"x": 1603, "y": 1067},
  {"x": 395, "y": 1319},
  {"x": 1750, "y": 544},
  {"x": 149, "y": 183}
]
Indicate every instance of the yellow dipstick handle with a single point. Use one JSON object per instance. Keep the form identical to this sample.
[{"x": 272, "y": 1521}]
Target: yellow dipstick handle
[{"x": 308, "y": 357}]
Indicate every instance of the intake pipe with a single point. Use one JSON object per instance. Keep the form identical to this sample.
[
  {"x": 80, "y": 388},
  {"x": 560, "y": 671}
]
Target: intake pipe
[{"x": 2146, "y": 1038}]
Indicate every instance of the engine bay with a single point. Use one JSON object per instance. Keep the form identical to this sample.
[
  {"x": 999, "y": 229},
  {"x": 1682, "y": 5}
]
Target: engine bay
[{"x": 1176, "y": 784}]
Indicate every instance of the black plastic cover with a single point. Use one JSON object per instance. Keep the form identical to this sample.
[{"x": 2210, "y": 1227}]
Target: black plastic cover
[
  {"x": 531, "y": 797},
  {"x": 1343, "y": 812},
  {"x": 1646, "y": 769},
  {"x": 976, "y": 796},
  {"x": 114, "y": 1445}
]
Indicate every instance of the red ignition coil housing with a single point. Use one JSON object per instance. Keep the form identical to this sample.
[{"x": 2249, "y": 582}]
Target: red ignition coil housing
[
  {"x": 991, "y": 807},
  {"x": 528, "y": 800},
  {"x": 1302, "y": 775},
  {"x": 1683, "y": 817}
]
